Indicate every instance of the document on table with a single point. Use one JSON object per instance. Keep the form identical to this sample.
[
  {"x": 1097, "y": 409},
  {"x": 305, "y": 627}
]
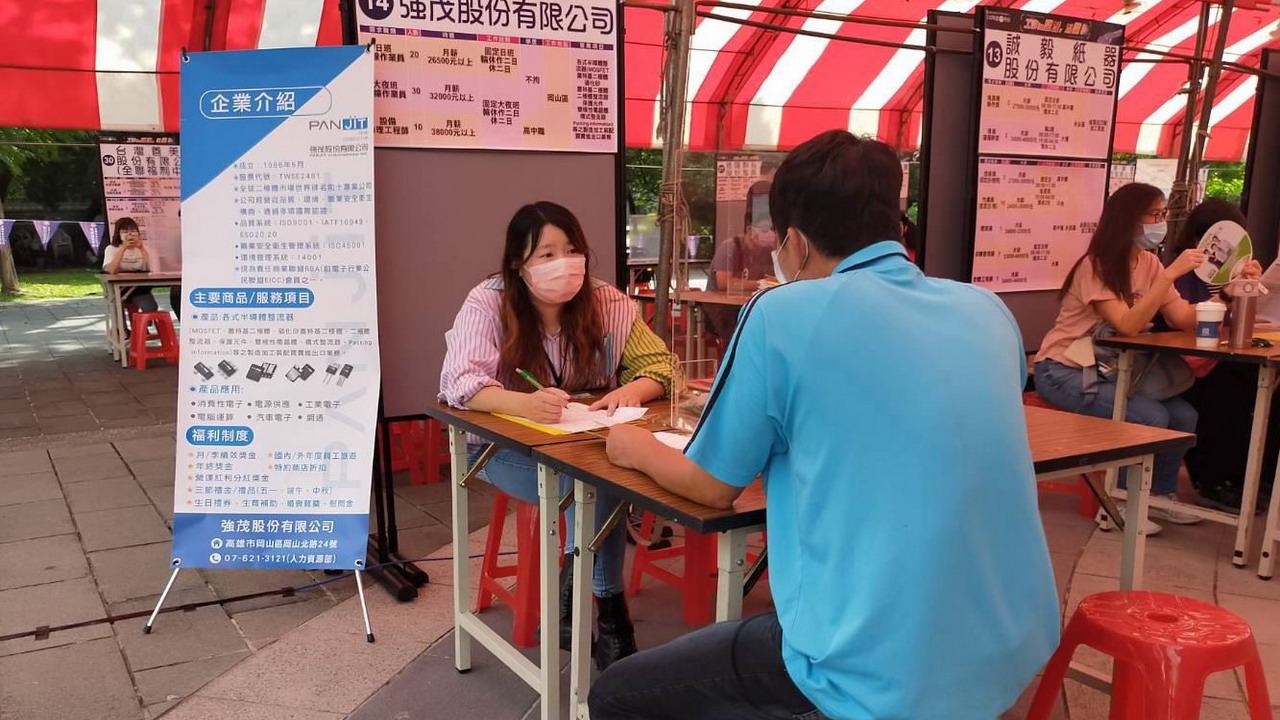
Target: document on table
[
  {"x": 674, "y": 440},
  {"x": 577, "y": 418}
]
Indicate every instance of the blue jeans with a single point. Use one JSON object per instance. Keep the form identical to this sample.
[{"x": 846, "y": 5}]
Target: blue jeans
[
  {"x": 517, "y": 476},
  {"x": 727, "y": 671},
  {"x": 1064, "y": 387}
]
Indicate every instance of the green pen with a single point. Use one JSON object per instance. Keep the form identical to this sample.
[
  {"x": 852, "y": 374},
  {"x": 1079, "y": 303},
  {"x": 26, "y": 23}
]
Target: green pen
[{"x": 529, "y": 379}]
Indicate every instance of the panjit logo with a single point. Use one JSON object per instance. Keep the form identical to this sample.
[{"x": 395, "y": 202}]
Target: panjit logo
[{"x": 346, "y": 124}]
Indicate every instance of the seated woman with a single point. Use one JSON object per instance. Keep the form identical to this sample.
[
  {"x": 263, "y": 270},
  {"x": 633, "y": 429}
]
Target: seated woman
[
  {"x": 127, "y": 253},
  {"x": 542, "y": 314},
  {"x": 1223, "y": 395},
  {"x": 1120, "y": 281}
]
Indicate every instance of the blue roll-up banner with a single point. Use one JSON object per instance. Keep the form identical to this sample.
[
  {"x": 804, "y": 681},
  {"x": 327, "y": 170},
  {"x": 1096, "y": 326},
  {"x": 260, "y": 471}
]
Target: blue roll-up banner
[
  {"x": 279, "y": 365},
  {"x": 5, "y": 227}
]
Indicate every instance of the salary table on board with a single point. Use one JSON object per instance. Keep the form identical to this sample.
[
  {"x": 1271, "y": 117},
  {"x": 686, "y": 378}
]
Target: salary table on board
[
  {"x": 520, "y": 75},
  {"x": 1034, "y": 219}
]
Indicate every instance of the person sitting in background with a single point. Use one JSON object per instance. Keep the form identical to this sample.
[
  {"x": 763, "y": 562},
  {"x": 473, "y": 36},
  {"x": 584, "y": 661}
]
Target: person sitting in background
[
  {"x": 128, "y": 254},
  {"x": 746, "y": 257},
  {"x": 1120, "y": 281},
  {"x": 1224, "y": 392}
]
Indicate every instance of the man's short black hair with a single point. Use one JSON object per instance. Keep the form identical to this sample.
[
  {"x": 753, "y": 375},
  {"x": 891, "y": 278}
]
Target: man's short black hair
[{"x": 841, "y": 191}]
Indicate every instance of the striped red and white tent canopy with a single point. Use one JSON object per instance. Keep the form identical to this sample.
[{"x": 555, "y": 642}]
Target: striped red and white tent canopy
[
  {"x": 763, "y": 89},
  {"x": 112, "y": 65}
]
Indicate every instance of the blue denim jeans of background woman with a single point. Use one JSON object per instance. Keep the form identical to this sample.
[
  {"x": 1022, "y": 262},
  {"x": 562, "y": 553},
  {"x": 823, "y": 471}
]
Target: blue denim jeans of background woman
[
  {"x": 1064, "y": 387},
  {"x": 517, "y": 476}
]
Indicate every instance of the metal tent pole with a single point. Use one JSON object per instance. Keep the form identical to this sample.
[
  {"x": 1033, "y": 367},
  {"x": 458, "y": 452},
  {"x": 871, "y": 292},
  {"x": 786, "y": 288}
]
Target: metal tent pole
[{"x": 671, "y": 205}]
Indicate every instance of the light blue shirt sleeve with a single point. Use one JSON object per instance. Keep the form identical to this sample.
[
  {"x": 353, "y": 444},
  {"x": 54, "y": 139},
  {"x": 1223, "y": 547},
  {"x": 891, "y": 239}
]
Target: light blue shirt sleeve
[{"x": 740, "y": 430}]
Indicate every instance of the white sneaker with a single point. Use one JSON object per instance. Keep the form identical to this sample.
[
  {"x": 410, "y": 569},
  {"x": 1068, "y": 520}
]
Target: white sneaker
[
  {"x": 1152, "y": 528},
  {"x": 1176, "y": 517}
]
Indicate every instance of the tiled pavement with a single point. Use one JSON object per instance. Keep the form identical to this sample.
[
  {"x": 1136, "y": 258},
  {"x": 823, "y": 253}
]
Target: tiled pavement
[
  {"x": 86, "y": 498},
  {"x": 84, "y": 511}
]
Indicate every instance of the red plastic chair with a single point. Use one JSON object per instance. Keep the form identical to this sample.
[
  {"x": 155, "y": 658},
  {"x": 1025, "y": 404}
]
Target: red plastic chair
[
  {"x": 140, "y": 348},
  {"x": 420, "y": 447},
  {"x": 1164, "y": 646},
  {"x": 523, "y": 598},
  {"x": 696, "y": 580},
  {"x": 1088, "y": 501}
]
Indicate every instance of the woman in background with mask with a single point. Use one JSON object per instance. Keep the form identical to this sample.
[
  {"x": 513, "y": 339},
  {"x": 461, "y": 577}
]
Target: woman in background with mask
[
  {"x": 542, "y": 314},
  {"x": 1121, "y": 281}
]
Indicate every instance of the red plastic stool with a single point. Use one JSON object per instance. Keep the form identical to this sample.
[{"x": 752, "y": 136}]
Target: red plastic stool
[
  {"x": 1164, "y": 646},
  {"x": 419, "y": 447},
  {"x": 697, "y": 579},
  {"x": 523, "y": 599},
  {"x": 140, "y": 325},
  {"x": 1089, "y": 504}
]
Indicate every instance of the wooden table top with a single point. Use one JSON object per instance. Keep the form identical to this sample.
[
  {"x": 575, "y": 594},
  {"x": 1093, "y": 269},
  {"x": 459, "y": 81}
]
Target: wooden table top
[
  {"x": 1059, "y": 441},
  {"x": 1062, "y": 440},
  {"x": 1184, "y": 343},
  {"x": 588, "y": 461},
  {"x": 522, "y": 438},
  {"x": 136, "y": 277},
  {"x": 705, "y": 297}
]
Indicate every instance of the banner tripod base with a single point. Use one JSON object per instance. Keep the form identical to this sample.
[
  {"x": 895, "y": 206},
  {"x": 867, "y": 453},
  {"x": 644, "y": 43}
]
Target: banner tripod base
[
  {"x": 146, "y": 629},
  {"x": 364, "y": 609}
]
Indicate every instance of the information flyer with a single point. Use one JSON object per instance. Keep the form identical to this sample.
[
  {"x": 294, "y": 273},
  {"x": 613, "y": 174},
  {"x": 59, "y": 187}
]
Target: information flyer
[
  {"x": 1035, "y": 218},
  {"x": 279, "y": 371},
  {"x": 1045, "y": 126},
  {"x": 140, "y": 180},
  {"x": 494, "y": 75}
]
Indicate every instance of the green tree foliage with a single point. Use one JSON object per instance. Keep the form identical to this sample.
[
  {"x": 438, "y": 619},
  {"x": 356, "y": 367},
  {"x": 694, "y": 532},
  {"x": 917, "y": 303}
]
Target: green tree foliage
[
  {"x": 1226, "y": 181},
  {"x": 54, "y": 169}
]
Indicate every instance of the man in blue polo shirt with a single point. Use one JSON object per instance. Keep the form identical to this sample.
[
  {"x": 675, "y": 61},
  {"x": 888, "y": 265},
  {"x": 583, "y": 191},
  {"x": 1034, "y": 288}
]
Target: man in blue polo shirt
[{"x": 884, "y": 410}]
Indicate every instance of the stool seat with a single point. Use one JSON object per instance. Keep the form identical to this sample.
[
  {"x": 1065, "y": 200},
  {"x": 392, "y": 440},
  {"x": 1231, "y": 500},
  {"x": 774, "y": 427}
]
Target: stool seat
[
  {"x": 140, "y": 347},
  {"x": 1169, "y": 622},
  {"x": 1165, "y": 647}
]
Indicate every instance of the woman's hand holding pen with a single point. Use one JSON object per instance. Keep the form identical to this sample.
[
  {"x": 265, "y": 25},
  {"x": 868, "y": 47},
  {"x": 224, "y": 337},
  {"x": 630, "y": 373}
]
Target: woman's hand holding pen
[{"x": 545, "y": 405}]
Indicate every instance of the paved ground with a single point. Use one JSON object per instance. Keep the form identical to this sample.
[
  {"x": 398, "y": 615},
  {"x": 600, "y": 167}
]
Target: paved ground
[{"x": 85, "y": 500}]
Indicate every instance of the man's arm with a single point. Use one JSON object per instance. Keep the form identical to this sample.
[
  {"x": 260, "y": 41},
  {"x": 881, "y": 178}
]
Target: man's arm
[{"x": 637, "y": 449}]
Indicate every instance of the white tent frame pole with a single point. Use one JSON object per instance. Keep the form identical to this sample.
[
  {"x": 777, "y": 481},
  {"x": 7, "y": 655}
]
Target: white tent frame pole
[{"x": 671, "y": 210}]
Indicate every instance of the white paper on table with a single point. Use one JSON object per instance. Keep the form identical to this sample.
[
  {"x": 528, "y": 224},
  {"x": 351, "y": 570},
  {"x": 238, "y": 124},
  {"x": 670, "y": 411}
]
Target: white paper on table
[
  {"x": 577, "y": 418},
  {"x": 673, "y": 440}
]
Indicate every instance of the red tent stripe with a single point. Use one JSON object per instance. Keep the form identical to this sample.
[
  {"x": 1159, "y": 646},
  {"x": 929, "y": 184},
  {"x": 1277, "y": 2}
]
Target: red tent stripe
[{"x": 55, "y": 34}]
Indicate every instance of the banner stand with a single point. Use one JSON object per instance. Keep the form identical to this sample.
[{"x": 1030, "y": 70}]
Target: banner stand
[
  {"x": 392, "y": 570},
  {"x": 177, "y": 566}
]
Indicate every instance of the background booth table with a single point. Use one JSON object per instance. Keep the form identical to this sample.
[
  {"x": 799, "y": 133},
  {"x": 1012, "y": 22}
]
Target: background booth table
[
  {"x": 115, "y": 293},
  {"x": 695, "y": 346},
  {"x": 1267, "y": 359}
]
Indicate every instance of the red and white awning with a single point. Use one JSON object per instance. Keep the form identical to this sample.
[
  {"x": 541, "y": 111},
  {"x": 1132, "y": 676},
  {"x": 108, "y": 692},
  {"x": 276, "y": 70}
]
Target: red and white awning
[
  {"x": 762, "y": 89},
  {"x": 113, "y": 64}
]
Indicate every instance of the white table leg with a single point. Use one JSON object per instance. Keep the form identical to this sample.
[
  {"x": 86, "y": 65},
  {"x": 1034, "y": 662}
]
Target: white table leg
[
  {"x": 1135, "y": 526},
  {"x": 1266, "y": 566},
  {"x": 700, "y": 331},
  {"x": 1124, "y": 374},
  {"x": 732, "y": 570},
  {"x": 1253, "y": 469},
  {"x": 583, "y": 569},
  {"x": 461, "y": 547},
  {"x": 124, "y": 344},
  {"x": 685, "y": 311},
  {"x": 548, "y": 570}
]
